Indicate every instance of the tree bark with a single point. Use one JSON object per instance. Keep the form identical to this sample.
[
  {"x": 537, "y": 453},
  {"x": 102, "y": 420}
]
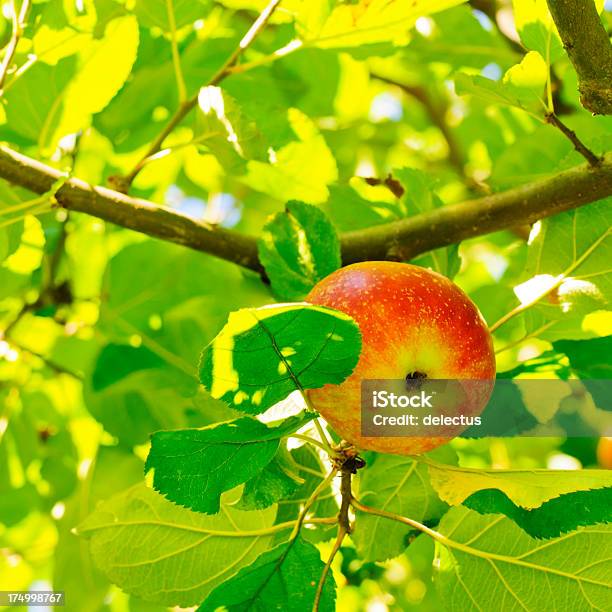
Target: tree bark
[
  {"x": 588, "y": 45},
  {"x": 399, "y": 240}
]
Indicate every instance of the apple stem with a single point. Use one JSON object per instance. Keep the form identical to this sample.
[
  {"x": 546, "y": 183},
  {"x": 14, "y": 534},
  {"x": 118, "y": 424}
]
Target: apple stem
[
  {"x": 346, "y": 498},
  {"x": 348, "y": 465},
  {"x": 339, "y": 538}
]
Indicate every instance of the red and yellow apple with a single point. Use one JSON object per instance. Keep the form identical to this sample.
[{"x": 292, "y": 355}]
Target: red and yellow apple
[{"x": 413, "y": 323}]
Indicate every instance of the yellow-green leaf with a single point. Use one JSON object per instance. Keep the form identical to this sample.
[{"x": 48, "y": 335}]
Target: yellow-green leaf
[
  {"x": 163, "y": 553},
  {"x": 526, "y": 488}
]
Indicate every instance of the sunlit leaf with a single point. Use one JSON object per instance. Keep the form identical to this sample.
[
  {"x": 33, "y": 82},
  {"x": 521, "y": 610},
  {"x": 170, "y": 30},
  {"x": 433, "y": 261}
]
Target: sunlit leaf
[
  {"x": 226, "y": 131},
  {"x": 526, "y": 488},
  {"x": 94, "y": 86},
  {"x": 298, "y": 248},
  {"x": 522, "y": 86},
  {"x": 537, "y": 29},
  {"x": 488, "y": 562},
  {"x": 284, "y": 177},
  {"x": 155, "y": 13},
  {"x": 367, "y": 22},
  {"x": 164, "y": 553},
  {"x": 568, "y": 265},
  {"x": 263, "y": 354}
]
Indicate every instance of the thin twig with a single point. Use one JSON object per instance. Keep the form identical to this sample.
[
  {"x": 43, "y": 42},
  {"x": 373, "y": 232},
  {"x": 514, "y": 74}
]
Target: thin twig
[
  {"x": 309, "y": 440},
  {"x": 48, "y": 361},
  {"x": 324, "y": 439},
  {"x": 38, "y": 210},
  {"x": 311, "y": 500},
  {"x": 571, "y": 135},
  {"x": 346, "y": 497},
  {"x": 176, "y": 56},
  {"x": 351, "y": 463},
  {"x": 19, "y": 22},
  {"x": 437, "y": 114},
  {"x": 337, "y": 544},
  {"x": 396, "y": 517},
  {"x": 189, "y": 104},
  {"x": 34, "y": 203}
]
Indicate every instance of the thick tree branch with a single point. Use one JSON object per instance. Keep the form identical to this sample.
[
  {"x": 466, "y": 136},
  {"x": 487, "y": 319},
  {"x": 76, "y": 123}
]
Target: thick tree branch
[
  {"x": 588, "y": 46},
  {"x": 401, "y": 240},
  {"x": 404, "y": 239},
  {"x": 132, "y": 213}
]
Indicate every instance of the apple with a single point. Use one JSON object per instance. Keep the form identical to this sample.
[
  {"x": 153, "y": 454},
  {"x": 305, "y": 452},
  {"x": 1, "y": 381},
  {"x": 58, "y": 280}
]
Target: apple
[
  {"x": 414, "y": 324},
  {"x": 604, "y": 453}
]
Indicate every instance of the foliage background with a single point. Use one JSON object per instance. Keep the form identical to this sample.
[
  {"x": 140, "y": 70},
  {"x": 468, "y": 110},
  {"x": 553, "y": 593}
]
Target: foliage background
[{"x": 103, "y": 327}]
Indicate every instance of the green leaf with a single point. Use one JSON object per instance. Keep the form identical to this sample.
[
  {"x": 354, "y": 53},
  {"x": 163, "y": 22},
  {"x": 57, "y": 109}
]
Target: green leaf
[
  {"x": 533, "y": 156},
  {"x": 34, "y": 104},
  {"x": 277, "y": 481},
  {"x": 106, "y": 11},
  {"x": 488, "y": 563},
  {"x": 164, "y": 553},
  {"x": 284, "y": 578},
  {"x": 226, "y": 131},
  {"x": 349, "y": 210},
  {"x": 571, "y": 254},
  {"x": 300, "y": 170},
  {"x": 369, "y": 22},
  {"x": 486, "y": 89},
  {"x": 114, "y": 469},
  {"x": 526, "y": 488},
  {"x": 298, "y": 248},
  {"x": 145, "y": 400},
  {"x": 94, "y": 86},
  {"x": 459, "y": 39},
  {"x": 588, "y": 358},
  {"x": 528, "y": 78},
  {"x": 553, "y": 518},
  {"x": 116, "y": 361},
  {"x": 537, "y": 29},
  {"x": 522, "y": 86},
  {"x": 193, "y": 467},
  {"x": 446, "y": 260},
  {"x": 155, "y": 13},
  {"x": 264, "y": 354},
  {"x": 10, "y": 238},
  {"x": 177, "y": 301},
  {"x": 130, "y": 120},
  {"x": 396, "y": 484},
  {"x": 50, "y": 102},
  {"x": 591, "y": 361}
]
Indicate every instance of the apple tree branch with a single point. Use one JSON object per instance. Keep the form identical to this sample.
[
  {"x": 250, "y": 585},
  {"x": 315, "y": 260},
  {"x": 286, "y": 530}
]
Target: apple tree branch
[
  {"x": 588, "y": 45},
  {"x": 400, "y": 240}
]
